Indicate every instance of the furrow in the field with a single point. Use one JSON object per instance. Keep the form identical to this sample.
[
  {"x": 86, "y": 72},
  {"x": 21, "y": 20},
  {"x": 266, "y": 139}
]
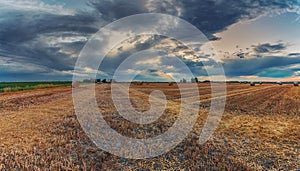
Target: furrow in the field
[
  {"x": 14, "y": 104},
  {"x": 281, "y": 103},
  {"x": 208, "y": 98},
  {"x": 251, "y": 103},
  {"x": 32, "y": 93},
  {"x": 190, "y": 98}
]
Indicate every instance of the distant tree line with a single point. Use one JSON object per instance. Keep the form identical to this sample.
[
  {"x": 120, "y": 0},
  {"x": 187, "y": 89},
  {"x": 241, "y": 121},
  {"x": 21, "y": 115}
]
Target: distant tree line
[
  {"x": 98, "y": 80},
  {"x": 193, "y": 80}
]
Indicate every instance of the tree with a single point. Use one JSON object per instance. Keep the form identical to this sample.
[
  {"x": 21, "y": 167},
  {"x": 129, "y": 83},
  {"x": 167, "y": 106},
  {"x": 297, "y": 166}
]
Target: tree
[{"x": 196, "y": 79}]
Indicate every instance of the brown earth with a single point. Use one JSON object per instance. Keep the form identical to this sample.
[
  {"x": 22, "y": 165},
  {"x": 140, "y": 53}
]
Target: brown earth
[{"x": 259, "y": 130}]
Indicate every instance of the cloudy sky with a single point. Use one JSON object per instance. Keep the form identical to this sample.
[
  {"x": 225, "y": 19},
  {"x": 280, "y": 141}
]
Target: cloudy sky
[{"x": 251, "y": 39}]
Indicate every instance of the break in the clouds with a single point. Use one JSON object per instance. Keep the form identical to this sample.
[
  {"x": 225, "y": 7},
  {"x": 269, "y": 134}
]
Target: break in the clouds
[
  {"x": 41, "y": 40},
  {"x": 277, "y": 66}
]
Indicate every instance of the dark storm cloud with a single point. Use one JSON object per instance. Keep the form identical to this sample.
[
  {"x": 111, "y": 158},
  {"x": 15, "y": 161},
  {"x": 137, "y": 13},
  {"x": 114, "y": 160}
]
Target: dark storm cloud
[
  {"x": 254, "y": 66},
  {"x": 29, "y": 37},
  {"x": 294, "y": 54},
  {"x": 269, "y": 48},
  {"x": 210, "y": 16},
  {"x": 24, "y": 26},
  {"x": 115, "y": 9},
  {"x": 223, "y": 13},
  {"x": 24, "y": 39}
]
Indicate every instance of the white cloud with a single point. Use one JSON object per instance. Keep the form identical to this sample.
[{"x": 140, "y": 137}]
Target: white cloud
[
  {"x": 152, "y": 61},
  {"x": 170, "y": 6},
  {"x": 295, "y": 66},
  {"x": 34, "y": 5},
  {"x": 297, "y": 73},
  {"x": 53, "y": 39}
]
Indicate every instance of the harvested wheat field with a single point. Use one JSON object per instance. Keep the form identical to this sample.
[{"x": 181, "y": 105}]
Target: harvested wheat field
[{"x": 259, "y": 130}]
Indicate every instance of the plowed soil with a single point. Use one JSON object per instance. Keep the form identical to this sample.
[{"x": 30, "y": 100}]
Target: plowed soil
[{"x": 259, "y": 130}]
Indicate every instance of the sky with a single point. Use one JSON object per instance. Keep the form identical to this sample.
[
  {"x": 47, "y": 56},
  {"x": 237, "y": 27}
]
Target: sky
[{"x": 252, "y": 39}]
